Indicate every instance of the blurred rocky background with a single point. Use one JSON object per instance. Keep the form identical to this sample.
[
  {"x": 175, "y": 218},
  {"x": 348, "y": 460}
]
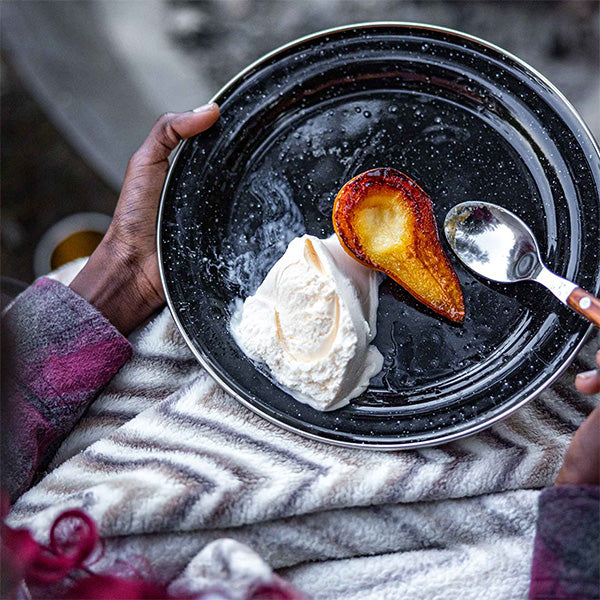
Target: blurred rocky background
[{"x": 83, "y": 81}]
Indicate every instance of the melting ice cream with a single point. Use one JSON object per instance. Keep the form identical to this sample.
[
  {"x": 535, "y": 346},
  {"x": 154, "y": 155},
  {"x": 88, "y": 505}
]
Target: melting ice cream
[{"x": 312, "y": 321}]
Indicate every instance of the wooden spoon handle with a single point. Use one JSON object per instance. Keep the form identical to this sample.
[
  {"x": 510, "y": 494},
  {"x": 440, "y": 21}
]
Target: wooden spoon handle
[{"x": 585, "y": 304}]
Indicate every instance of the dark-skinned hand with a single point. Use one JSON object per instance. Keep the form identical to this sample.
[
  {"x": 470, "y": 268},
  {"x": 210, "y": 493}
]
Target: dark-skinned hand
[
  {"x": 582, "y": 461},
  {"x": 121, "y": 278}
]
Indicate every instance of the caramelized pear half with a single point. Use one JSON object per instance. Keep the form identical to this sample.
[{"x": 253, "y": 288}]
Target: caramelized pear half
[{"x": 385, "y": 221}]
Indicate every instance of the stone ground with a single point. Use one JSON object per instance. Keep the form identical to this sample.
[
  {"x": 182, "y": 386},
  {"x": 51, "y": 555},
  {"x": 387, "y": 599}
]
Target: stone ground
[{"x": 44, "y": 179}]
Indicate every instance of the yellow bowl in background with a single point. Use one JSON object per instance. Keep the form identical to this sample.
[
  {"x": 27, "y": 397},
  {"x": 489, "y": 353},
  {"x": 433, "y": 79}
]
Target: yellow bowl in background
[{"x": 74, "y": 237}]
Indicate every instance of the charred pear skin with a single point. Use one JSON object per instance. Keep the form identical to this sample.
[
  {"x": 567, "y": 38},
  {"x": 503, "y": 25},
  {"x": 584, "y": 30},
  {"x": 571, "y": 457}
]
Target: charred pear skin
[{"x": 385, "y": 221}]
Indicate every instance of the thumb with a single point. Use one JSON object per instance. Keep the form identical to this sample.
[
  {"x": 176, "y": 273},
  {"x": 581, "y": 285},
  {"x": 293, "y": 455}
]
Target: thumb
[{"x": 170, "y": 129}]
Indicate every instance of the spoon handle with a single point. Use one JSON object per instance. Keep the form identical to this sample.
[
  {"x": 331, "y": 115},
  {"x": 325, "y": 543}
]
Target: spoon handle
[
  {"x": 566, "y": 291},
  {"x": 585, "y": 304}
]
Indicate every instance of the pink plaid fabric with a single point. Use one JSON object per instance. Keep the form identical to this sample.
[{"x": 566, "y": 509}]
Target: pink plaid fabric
[{"x": 62, "y": 351}]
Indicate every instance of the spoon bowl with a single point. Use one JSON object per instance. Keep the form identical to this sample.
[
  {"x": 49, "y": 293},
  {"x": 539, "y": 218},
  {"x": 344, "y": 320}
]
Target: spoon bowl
[{"x": 495, "y": 243}]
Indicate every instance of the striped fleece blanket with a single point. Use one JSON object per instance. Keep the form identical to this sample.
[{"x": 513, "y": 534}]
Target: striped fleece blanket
[{"x": 188, "y": 486}]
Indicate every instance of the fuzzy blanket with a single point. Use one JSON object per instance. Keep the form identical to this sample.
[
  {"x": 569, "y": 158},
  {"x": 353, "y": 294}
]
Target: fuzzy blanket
[{"x": 190, "y": 487}]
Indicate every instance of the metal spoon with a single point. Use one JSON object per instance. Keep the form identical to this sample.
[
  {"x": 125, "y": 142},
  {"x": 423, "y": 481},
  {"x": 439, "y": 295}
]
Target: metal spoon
[{"x": 496, "y": 244}]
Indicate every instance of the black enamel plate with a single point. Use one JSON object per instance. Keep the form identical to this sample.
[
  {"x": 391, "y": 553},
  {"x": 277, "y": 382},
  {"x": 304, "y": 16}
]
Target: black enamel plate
[{"x": 466, "y": 121}]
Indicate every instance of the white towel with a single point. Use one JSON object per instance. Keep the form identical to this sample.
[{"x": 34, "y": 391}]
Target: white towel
[{"x": 172, "y": 469}]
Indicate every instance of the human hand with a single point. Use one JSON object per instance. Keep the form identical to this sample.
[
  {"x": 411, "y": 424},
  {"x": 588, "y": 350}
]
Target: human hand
[
  {"x": 121, "y": 278},
  {"x": 589, "y": 382},
  {"x": 582, "y": 461}
]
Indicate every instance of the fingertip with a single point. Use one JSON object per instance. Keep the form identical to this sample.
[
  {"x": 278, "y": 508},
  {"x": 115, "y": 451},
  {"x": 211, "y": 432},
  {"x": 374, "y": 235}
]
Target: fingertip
[
  {"x": 205, "y": 115},
  {"x": 210, "y": 107},
  {"x": 200, "y": 119},
  {"x": 588, "y": 382}
]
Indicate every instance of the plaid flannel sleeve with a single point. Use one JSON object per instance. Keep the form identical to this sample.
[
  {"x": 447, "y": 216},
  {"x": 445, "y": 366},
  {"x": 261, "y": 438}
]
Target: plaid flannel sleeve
[
  {"x": 566, "y": 557},
  {"x": 61, "y": 352}
]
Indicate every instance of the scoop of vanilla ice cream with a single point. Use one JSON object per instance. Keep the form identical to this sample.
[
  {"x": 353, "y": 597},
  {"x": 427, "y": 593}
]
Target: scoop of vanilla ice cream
[{"x": 312, "y": 321}]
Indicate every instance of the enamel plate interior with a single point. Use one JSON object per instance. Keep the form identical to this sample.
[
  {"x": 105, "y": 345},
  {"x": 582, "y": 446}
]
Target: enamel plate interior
[{"x": 466, "y": 122}]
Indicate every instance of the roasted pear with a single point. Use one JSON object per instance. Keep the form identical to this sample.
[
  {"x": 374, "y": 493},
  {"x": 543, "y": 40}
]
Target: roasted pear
[{"x": 385, "y": 221}]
